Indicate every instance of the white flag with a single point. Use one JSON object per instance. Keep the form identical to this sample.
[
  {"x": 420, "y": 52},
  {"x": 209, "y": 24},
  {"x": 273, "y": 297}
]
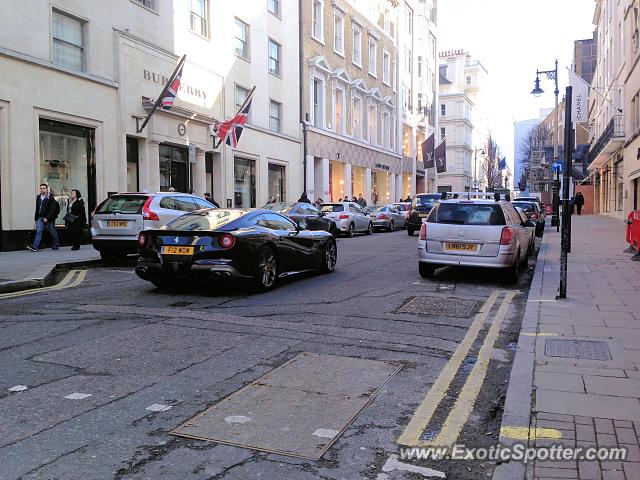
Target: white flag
[{"x": 579, "y": 98}]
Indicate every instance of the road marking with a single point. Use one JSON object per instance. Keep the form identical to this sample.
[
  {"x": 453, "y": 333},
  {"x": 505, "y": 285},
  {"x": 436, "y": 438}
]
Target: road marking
[
  {"x": 462, "y": 408},
  {"x": 77, "y": 396},
  {"x": 392, "y": 463},
  {"x": 18, "y": 388},
  {"x": 158, "y": 407},
  {"x": 525, "y": 433},
  {"x": 424, "y": 412},
  {"x": 67, "y": 282}
]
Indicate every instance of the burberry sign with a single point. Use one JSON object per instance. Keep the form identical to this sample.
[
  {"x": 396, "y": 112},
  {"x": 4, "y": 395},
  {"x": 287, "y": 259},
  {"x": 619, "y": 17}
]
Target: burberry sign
[{"x": 184, "y": 87}]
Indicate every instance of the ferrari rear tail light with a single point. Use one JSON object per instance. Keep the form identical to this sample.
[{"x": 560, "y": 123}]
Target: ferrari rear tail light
[
  {"x": 226, "y": 240},
  {"x": 149, "y": 214},
  {"x": 423, "y": 231},
  {"x": 507, "y": 236}
]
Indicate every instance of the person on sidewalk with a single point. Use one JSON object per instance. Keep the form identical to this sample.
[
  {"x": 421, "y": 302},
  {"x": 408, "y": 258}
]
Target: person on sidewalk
[
  {"x": 47, "y": 210},
  {"x": 579, "y": 202},
  {"x": 75, "y": 218},
  {"x": 360, "y": 201},
  {"x": 303, "y": 198}
]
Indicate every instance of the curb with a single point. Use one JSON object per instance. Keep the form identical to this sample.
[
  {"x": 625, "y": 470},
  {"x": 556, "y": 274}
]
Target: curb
[
  {"x": 517, "y": 407},
  {"x": 43, "y": 275}
]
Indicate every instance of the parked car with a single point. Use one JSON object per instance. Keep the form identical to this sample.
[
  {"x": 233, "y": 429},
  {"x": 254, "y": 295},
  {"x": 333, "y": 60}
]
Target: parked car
[
  {"x": 533, "y": 212},
  {"x": 420, "y": 208},
  {"x": 117, "y": 221},
  {"x": 387, "y": 217},
  {"x": 473, "y": 233},
  {"x": 225, "y": 244},
  {"x": 350, "y": 218},
  {"x": 539, "y": 202},
  {"x": 531, "y": 228},
  {"x": 311, "y": 217}
]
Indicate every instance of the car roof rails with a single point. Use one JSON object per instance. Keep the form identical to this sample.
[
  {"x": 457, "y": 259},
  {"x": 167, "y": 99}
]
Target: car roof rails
[{"x": 470, "y": 195}]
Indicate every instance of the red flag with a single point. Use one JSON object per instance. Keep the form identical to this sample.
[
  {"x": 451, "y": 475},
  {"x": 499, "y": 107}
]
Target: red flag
[{"x": 230, "y": 131}]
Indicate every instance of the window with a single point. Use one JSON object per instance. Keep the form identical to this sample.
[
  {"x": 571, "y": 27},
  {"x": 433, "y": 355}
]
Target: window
[
  {"x": 317, "y": 20},
  {"x": 68, "y": 41},
  {"x": 373, "y": 48},
  {"x": 386, "y": 68},
  {"x": 419, "y": 66},
  {"x": 275, "y": 115},
  {"x": 392, "y": 140},
  {"x": 338, "y": 33},
  {"x": 318, "y": 102},
  {"x": 409, "y": 21},
  {"x": 277, "y": 182},
  {"x": 339, "y": 111},
  {"x": 274, "y": 7},
  {"x": 443, "y": 109},
  {"x": 241, "y": 39},
  {"x": 132, "y": 164},
  {"x": 357, "y": 46},
  {"x": 150, "y": 4},
  {"x": 443, "y": 133},
  {"x": 198, "y": 17},
  {"x": 274, "y": 57},
  {"x": 408, "y": 59},
  {"x": 372, "y": 125},
  {"x": 244, "y": 183},
  {"x": 240, "y": 96},
  {"x": 357, "y": 118},
  {"x": 386, "y": 129},
  {"x": 468, "y": 79},
  {"x": 393, "y": 76}
]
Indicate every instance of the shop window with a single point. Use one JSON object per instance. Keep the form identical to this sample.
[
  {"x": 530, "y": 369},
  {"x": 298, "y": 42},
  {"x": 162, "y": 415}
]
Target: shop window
[
  {"x": 244, "y": 188},
  {"x": 132, "y": 164},
  {"x": 67, "y": 162},
  {"x": 173, "y": 168},
  {"x": 277, "y": 182},
  {"x": 68, "y": 41}
]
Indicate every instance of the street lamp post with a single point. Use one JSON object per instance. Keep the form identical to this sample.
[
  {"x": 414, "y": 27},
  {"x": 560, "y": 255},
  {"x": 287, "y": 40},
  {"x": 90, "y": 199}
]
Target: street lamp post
[
  {"x": 476, "y": 180},
  {"x": 555, "y": 183}
]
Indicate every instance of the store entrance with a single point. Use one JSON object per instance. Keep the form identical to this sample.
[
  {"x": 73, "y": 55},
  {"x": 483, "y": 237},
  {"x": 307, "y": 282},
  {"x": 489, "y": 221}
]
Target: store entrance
[{"x": 173, "y": 168}]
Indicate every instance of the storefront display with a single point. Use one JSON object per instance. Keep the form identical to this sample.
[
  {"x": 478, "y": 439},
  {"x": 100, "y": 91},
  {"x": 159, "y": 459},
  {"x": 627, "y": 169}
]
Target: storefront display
[{"x": 244, "y": 188}]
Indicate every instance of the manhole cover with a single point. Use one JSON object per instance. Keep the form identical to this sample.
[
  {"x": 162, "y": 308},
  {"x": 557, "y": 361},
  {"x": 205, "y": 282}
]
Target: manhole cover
[
  {"x": 440, "y": 306},
  {"x": 582, "y": 349}
]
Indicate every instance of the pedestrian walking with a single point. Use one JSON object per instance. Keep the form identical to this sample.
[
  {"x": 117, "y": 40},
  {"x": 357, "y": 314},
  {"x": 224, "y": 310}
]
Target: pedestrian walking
[
  {"x": 47, "y": 210},
  {"x": 318, "y": 202},
  {"x": 303, "y": 198},
  {"x": 579, "y": 202},
  {"x": 354, "y": 199},
  {"x": 211, "y": 200},
  {"x": 361, "y": 201},
  {"x": 75, "y": 218},
  {"x": 408, "y": 199}
]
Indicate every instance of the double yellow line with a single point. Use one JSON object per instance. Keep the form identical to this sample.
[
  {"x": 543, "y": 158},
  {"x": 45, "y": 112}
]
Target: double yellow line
[
  {"x": 73, "y": 278},
  {"x": 459, "y": 414}
]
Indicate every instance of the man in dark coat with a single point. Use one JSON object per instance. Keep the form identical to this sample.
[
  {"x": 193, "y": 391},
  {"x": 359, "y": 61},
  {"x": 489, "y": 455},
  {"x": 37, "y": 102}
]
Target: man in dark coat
[
  {"x": 47, "y": 210},
  {"x": 579, "y": 202},
  {"x": 303, "y": 198}
]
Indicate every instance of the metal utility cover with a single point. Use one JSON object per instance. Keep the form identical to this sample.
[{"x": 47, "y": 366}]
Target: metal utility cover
[
  {"x": 440, "y": 306},
  {"x": 298, "y": 409},
  {"x": 582, "y": 349}
]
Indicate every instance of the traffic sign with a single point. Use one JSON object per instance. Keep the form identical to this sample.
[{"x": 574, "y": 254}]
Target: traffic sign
[{"x": 557, "y": 166}]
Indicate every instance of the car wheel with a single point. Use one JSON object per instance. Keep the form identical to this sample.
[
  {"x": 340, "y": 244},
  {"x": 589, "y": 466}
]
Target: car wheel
[
  {"x": 369, "y": 229},
  {"x": 267, "y": 269},
  {"x": 352, "y": 228},
  {"x": 511, "y": 274},
  {"x": 391, "y": 226},
  {"x": 426, "y": 270},
  {"x": 329, "y": 257},
  {"x": 409, "y": 231}
]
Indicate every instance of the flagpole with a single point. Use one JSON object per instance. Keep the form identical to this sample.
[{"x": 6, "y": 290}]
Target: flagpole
[
  {"x": 244, "y": 104},
  {"x": 162, "y": 94}
]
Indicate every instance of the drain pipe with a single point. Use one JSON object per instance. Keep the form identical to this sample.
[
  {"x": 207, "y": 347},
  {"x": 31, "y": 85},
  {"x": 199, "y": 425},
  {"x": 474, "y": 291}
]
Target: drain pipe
[{"x": 304, "y": 117}]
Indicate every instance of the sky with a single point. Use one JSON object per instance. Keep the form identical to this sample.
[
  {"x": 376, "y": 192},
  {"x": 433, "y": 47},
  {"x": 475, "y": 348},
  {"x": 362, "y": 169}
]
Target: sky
[{"x": 513, "y": 38}]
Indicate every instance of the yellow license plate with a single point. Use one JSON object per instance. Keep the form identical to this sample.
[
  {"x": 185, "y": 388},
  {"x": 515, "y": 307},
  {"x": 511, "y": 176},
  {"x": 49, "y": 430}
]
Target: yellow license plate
[
  {"x": 117, "y": 223},
  {"x": 177, "y": 250},
  {"x": 461, "y": 247}
]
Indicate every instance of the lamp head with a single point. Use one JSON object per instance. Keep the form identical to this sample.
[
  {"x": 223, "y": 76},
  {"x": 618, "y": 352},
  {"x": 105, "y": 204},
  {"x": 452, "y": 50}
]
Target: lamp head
[{"x": 537, "y": 91}]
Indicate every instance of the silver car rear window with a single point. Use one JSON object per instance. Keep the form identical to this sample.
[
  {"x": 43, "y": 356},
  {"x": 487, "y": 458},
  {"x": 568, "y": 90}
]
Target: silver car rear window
[
  {"x": 467, "y": 214},
  {"x": 203, "y": 221},
  {"x": 123, "y": 204},
  {"x": 332, "y": 208}
]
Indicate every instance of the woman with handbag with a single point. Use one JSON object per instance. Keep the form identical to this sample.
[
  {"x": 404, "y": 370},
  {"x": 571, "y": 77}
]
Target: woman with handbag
[{"x": 75, "y": 218}]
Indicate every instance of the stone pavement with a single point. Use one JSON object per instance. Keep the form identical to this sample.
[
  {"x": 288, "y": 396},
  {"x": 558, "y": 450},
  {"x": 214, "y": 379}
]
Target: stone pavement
[
  {"x": 576, "y": 376},
  {"x": 25, "y": 269}
]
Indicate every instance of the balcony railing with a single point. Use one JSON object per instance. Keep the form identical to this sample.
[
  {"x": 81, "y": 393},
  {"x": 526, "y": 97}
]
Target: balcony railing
[{"x": 614, "y": 130}]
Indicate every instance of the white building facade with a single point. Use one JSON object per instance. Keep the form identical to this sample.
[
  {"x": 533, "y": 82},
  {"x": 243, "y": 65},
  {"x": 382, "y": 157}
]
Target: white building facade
[
  {"x": 77, "y": 87},
  {"x": 462, "y": 121}
]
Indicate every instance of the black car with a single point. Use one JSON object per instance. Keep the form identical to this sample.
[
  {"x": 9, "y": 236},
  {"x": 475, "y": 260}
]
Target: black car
[
  {"x": 420, "y": 208},
  {"x": 306, "y": 213},
  {"x": 261, "y": 245}
]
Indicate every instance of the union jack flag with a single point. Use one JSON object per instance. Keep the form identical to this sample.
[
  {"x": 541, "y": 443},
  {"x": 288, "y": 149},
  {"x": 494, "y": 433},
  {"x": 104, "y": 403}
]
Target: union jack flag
[
  {"x": 230, "y": 131},
  {"x": 172, "y": 90}
]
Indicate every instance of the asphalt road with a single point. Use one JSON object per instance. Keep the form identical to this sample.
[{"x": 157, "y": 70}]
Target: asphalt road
[{"x": 124, "y": 346}]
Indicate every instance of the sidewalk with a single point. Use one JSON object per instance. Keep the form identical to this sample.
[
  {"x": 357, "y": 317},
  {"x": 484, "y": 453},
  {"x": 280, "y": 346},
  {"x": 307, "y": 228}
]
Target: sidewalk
[
  {"x": 576, "y": 374},
  {"x": 24, "y": 269}
]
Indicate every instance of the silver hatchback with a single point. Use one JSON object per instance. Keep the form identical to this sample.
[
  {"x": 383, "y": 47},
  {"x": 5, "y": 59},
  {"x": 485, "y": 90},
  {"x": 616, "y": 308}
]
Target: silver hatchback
[
  {"x": 119, "y": 219},
  {"x": 473, "y": 233},
  {"x": 349, "y": 217}
]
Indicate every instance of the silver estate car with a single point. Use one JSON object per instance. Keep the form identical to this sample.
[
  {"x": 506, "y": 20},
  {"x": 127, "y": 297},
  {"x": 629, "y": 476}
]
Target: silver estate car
[
  {"x": 387, "y": 217},
  {"x": 473, "y": 233},
  {"x": 119, "y": 219},
  {"x": 349, "y": 217}
]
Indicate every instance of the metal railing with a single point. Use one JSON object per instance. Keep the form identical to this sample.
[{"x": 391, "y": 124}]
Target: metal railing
[{"x": 614, "y": 129}]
